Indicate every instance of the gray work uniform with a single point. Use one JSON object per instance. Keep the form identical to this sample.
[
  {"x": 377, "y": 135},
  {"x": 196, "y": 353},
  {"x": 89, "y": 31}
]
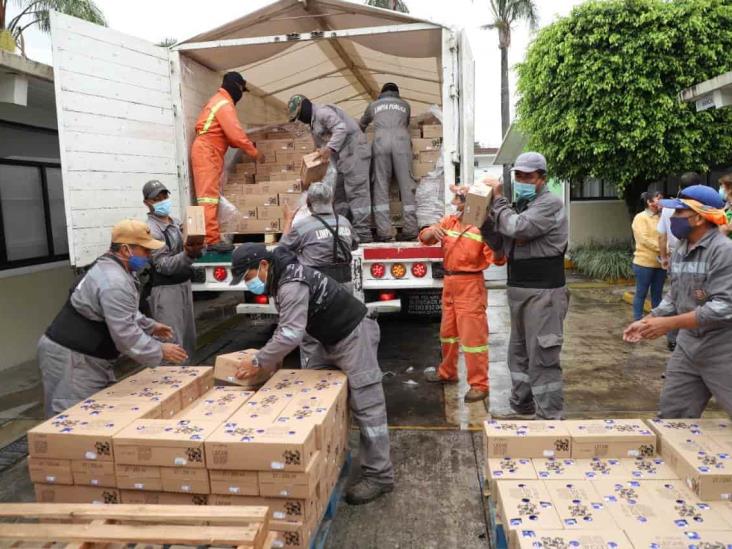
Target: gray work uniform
[
  {"x": 313, "y": 245},
  {"x": 171, "y": 300},
  {"x": 535, "y": 232},
  {"x": 701, "y": 365},
  {"x": 392, "y": 155},
  {"x": 333, "y": 128},
  {"x": 110, "y": 294},
  {"x": 356, "y": 356}
]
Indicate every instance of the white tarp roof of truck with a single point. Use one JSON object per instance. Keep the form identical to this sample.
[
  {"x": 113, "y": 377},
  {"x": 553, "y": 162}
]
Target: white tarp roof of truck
[{"x": 348, "y": 72}]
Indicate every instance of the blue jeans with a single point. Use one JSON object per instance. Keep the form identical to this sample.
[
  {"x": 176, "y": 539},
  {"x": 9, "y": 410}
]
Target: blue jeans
[{"x": 647, "y": 278}]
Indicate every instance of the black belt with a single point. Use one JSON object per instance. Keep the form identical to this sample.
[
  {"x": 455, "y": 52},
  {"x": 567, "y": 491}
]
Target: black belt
[
  {"x": 74, "y": 331},
  {"x": 340, "y": 272},
  {"x": 538, "y": 272},
  {"x": 171, "y": 280},
  {"x": 462, "y": 273}
]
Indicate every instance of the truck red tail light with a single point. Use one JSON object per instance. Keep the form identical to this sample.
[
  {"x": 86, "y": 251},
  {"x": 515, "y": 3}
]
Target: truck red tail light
[
  {"x": 398, "y": 270},
  {"x": 419, "y": 270},
  {"x": 378, "y": 270},
  {"x": 261, "y": 299},
  {"x": 220, "y": 274},
  {"x": 387, "y": 296}
]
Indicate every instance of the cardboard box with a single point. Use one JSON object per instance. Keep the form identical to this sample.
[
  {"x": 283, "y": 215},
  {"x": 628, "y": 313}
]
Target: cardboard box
[
  {"x": 227, "y": 365},
  {"x": 273, "y": 187},
  {"x": 681, "y": 508},
  {"x": 310, "y": 409},
  {"x": 288, "y": 156},
  {"x": 269, "y": 213},
  {"x": 255, "y": 200},
  {"x": 431, "y": 131},
  {"x": 94, "y": 473},
  {"x": 312, "y": 169},
  {"x": 250, "y": 447},
  {"x": 703, "y": 464},
  {"x": 219, "y": 403},
  {"x": 295, "y": 535},
  {"x": 688, "y": 428},
  {"x": 611, "y": 438},
  {"x": 724, "y": 510},
  {"x": 421, "y": 169},
  {"x": 654, "y": 468},
  {"x": 238, "y": 178},
  {"x": 525, "y": 504},
  {"x": 245, "y": 169},
  {"x": 167, "y": 398},
  {"x": 527, "y": 440},
  {"x": 76, "y": 436},
  {"x": 304, "y": 145},
  {"x": 429, "y": 157},
  {"x": 293, "y": 200},
  {"x": 415, "y": 133},
  {"x": 508, "y": 469},
  {"x": 194, "y": 225},
  {"x": 188, "y": 480},
  {"x": 424, "y": 145},
  {"x": 283, "y": 509},
  {"x": 164, "y": 442},
  {"x": 271, "y": 146},
  {"x": 280, "y": 484},
  {"x": 578, "y": 539},
  {"x": 235, "y": 483},
  {"x": 646, "y": 538},
  {"x": 558, "y": 469},
  {"x": 579, "y": 506},
  {"x": 162, "y": 498},
  {"x": 202, "y": 376},
  {"x": 602, "y": 468},
  {"x": 132, "y": 407},
  {"x": 57, "y": 493},
  {"x": 254, "y": 226},
  {"x": 277, "y": 170},
  {"x": 139, "y": 477},
  {"x": 50, "y": 471},
  {"x": 477, "y": 202},
  {"x": 630, "y": 504}
]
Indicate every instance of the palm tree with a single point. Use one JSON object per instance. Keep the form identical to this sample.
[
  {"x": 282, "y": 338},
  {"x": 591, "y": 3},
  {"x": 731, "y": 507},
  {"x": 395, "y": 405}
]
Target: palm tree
[
  {"x": 506, "y": 14},
  {"x": 35, "y": 12},
  {"x": 394, "y": 5}
]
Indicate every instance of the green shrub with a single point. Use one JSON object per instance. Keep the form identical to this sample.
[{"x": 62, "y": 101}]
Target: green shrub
[{"x": 604, "y": 261}]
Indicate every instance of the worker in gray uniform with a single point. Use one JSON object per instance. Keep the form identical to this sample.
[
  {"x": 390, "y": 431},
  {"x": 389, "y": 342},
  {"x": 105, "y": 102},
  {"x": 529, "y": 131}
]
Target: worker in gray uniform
[
  {"x": 310, "y": 302},
  {"x": 100, "y": 321},
  {"x": 313, "y": 240},
  {"x": 533, "y": 236},
  {"x": 340, "y": 140},
  {"x": 699, "y": 305},
  {"x": 171, "y": 297},
  {"x": 392, "y": 155}
]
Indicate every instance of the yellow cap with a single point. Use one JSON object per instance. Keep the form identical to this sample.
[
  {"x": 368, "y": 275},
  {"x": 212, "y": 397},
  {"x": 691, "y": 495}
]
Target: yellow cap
[{"x": 132, "y": 231}]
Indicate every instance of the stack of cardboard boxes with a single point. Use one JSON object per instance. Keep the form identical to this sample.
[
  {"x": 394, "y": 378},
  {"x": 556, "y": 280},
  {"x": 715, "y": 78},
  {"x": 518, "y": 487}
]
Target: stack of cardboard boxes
[
  {"x": 600, "y": 483},
  {"x": 166, "y": 436}
]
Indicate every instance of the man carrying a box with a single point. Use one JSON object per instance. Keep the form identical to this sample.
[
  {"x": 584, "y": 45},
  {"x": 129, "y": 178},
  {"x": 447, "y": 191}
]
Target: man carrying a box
[
  {"x": 699, "y": 305},
  {"x": 464, "y": 299},
  {"x": 217, "y": 129},
  {"x": 533, "y": 237},
  {"x": 312, "y": 303},
  {"x": 171, "y": 297},
  {"x": 338, "y": 136},
  {"x": 100, "y": 321},
  {"x": 392, "y": 152}
]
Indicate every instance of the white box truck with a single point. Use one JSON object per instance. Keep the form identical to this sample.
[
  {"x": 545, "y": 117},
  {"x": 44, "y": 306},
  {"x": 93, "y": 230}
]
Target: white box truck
[{"x": 127, "y": 110}]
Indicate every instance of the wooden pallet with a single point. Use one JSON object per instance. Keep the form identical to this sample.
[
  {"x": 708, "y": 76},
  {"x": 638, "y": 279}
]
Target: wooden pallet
[
  {"x": 92, "y": 526},
  {"x": 323, "y": 531}
]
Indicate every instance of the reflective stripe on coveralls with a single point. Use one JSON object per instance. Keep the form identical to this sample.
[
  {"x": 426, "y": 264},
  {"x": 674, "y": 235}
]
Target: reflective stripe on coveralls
[{"x": 212, "y": 116}]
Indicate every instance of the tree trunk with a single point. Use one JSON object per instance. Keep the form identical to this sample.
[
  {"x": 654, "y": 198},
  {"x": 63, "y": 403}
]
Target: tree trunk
[
  {"x": 2, "y": 13},
  {"x": 505, "y": 118}
]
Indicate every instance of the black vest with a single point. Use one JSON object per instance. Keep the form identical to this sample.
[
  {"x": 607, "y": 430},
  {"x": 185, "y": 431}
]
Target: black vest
[{"x": 333, "y": 313}]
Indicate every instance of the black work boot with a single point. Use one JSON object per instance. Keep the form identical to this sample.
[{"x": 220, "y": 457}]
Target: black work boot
[
  {"x": 515, "y": 416},
  {"x": 433, "y": 376},
  {"x": 366, "y": 490}
]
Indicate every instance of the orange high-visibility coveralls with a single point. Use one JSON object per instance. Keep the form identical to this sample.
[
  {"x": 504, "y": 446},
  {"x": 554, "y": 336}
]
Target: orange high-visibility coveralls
[
  {"x": 217, "y": 129},
  {"x": 464, "y": 300}
]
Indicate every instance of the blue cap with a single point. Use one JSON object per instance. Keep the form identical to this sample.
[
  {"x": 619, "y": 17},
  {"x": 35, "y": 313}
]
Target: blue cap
[{"x": 701, "y": 193}]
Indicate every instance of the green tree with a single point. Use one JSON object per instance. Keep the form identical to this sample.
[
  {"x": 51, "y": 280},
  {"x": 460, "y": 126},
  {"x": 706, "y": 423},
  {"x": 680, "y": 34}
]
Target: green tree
[
  {"x": 36, "y": 13},
  {"x": 599, "y": 91},
  {"x": 395, "y": 5},
  {"x": 506, "y": 15},
  {"x": 167, "y": 42}
]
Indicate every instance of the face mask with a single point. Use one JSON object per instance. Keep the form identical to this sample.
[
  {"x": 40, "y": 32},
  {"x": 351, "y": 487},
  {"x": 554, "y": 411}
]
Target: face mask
[
  {"x": 163, "y": 207},
  {"x": 524, "y": 191},
  {"x": 137, "y": 263},
  {"x": 255, "y": 285},
  {"x": 680, "y": 227},
  {"x": 723, "y": 193}
]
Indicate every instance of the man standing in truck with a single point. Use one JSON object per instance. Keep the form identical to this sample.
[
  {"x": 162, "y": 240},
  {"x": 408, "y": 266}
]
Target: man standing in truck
[
  {"x": 171, "y": 296},
  {"x": 533, "y": 236},
  {"x": 392, "y": 154},
  {"x": 217, "y": 129},
  {"x": 100, "y": 321},
  {"x": 338, "y": 137}
]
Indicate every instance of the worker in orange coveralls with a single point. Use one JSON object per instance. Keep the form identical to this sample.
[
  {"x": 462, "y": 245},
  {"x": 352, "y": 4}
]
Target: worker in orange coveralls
[
  {"x": 217, "y": 129},
  {"x": 464, "y": 299}
]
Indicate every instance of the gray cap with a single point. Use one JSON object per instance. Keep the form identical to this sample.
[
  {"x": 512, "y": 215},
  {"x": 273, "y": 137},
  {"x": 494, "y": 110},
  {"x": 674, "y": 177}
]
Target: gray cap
[
  {"x": 152, "y": 189},
  {"x": 529, "y": 162}
]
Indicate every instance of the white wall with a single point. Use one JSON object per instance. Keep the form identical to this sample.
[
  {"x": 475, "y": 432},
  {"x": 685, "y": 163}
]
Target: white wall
[{"x": 598, "y": 221}]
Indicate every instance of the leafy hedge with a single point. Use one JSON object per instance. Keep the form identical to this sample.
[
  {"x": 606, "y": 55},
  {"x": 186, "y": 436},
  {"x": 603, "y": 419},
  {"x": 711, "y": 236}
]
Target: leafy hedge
[{"x": 604, "y": 261}]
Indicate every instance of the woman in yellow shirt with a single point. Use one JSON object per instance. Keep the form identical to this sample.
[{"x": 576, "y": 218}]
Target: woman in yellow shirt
[{"x": 646, "y": 265}]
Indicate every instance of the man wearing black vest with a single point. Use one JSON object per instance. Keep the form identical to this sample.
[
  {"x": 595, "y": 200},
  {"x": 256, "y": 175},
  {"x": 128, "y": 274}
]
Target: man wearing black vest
[
  {"x": 310, "y": 302},
  {"x": 100, "y": 321},
  {"x": 533, "y": 236}
]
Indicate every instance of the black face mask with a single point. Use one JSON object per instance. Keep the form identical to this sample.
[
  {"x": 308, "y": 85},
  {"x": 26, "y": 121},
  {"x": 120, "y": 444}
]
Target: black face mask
[
  {"x": 233, "y": 86},
  {"x": 306, "y": 112}
]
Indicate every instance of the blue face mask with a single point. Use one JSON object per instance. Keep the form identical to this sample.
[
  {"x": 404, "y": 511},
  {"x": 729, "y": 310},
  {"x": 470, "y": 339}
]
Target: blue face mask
[
  {"x": 163, "y": 207},
  {"x": 137, "y": 263},
  {"x": 255, "y": 285},
  {"x": 680, "y": 227},
  {"x": 723, "y": 193},
  {"x": 524, "y": 191}
]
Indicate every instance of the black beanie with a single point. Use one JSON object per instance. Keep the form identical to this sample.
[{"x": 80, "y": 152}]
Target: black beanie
[
  {"x": 306, "y": 111},
  {"x": 390, "y": 87},
  {"x": 233, "y": 82}
]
